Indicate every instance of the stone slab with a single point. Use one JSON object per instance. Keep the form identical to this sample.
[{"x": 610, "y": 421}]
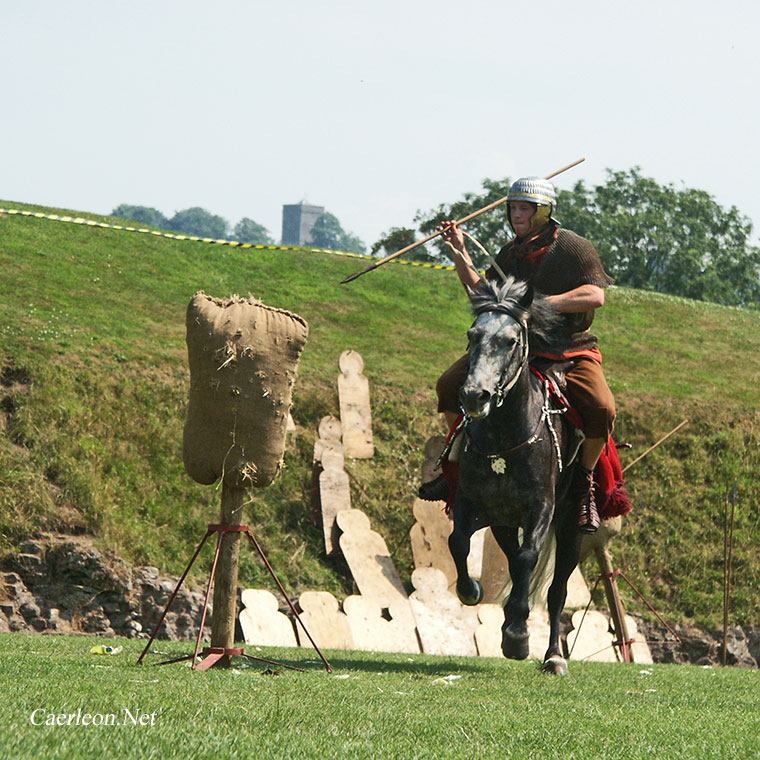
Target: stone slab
[
  {"x": 368, "y": 558},
  {"x": 325, "y": 622},
  {"x": 430, "y": 538},
  {"x": 262, "y": 622},
  {"x": 488, "y": 630},
  {"x": 379, "y": 628},
  {"x": 334, "y": 494},
  {"x": 640, "y": 651},
  {"x": 355, "y": 414},
  {"x": 433, "y": 448},
  {"x": 445, "y": 626},
  {"x": 330, "y": 433},
  {"x": 593, "y": 641}
]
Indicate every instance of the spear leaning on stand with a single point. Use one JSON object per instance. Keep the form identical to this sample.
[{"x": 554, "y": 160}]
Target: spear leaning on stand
[{"x": 464, "y": 219}]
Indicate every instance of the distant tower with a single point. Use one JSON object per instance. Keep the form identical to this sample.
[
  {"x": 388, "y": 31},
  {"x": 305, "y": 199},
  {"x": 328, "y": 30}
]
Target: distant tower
[{"x": 297, "y": 221}]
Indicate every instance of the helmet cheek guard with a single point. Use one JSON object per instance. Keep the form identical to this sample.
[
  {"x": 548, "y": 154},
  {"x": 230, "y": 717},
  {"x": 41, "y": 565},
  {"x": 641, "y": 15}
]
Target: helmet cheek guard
[{"x": 538, "y": 191}]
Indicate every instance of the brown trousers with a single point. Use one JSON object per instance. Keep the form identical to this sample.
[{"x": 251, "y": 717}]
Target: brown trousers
[{"x": 587, "y": 391}]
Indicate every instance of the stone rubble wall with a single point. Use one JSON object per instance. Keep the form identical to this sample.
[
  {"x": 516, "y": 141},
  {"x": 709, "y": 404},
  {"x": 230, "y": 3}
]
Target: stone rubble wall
[{"x": 62, "y": 584}]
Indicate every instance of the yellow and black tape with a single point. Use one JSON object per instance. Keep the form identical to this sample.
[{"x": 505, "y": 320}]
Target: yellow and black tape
[{"x": 230, "y": 243}]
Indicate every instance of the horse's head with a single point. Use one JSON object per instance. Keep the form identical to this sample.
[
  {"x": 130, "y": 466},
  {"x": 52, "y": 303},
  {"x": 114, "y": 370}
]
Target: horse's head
[{"x": 498, "y": 346}]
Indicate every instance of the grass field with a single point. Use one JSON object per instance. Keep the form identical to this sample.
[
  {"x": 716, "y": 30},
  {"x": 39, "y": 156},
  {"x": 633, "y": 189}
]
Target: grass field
[
  {"x": 373, "y": 705},
  {"x": 94, "y": 382}
]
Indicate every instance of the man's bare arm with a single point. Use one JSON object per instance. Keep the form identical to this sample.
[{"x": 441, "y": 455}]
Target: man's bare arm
[
  {"x": 583, "y": 298},
  {"x": 462, "y": 261}
]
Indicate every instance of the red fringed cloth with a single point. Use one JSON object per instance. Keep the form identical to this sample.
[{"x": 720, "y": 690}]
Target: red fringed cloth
[{"x": 611, "y": 497}]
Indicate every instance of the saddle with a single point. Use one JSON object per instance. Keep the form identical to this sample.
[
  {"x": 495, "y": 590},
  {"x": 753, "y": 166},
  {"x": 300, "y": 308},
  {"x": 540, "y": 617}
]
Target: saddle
[
  {"x": 552, "y": 375},
  {"x": 552, "y": 369}
]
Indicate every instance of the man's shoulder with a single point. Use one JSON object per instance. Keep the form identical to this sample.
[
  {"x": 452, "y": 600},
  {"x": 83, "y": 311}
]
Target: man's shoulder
[
  {"x": 579, "y": 254},
  {"x": 572, "y": 240}
]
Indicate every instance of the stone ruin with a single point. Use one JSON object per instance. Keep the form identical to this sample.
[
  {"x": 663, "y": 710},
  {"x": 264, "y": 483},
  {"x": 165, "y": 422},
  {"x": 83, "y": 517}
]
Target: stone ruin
[{"x": 63, "y": 584}]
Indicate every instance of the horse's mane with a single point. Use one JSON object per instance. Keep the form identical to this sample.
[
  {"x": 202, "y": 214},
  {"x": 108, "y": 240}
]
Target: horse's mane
[{"x": 546, "y": 325}]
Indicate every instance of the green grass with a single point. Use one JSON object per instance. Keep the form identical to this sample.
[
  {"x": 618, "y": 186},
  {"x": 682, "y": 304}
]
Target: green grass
[
  {"x": 373, "y": 705},
  {"x": 95, "y": 383}
]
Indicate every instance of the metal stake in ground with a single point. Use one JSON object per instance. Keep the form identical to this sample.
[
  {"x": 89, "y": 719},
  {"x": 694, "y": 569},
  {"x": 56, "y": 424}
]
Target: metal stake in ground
[
  {"x": 728, "y": 550},
  {"x": 464, "y": 219}
]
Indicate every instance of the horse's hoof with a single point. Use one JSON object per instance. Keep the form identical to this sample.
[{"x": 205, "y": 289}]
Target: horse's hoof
[
  {"x": 556, "y": 665},
  {"x": 473, "y": 595},
  {"x": 515, "y": 646}
]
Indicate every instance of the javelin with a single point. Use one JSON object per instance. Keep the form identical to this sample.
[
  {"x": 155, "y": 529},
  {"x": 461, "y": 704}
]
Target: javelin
[{"x": 464, "y": 219}]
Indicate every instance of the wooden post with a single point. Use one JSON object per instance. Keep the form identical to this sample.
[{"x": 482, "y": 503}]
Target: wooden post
[
  {"x": 613, "y": 600},
  {"x": 226, "y": 577}
]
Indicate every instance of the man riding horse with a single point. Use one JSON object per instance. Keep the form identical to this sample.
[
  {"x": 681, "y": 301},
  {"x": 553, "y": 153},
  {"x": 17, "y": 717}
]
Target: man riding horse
[{"x": 567, "y": 269}]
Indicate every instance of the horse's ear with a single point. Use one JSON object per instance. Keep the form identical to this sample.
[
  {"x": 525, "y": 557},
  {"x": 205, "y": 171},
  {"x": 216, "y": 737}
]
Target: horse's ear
[{"x": 527, "y": 299}]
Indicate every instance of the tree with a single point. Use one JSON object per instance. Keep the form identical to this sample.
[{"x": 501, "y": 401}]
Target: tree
[
  {"x": 667, "y": 239},
  {"x": 143, "y": 214},
  {"x": 327, "y": 233},
  {"x": 400, "y": 237},
  {"x": 649, "y": 236},
  {"x": 248, "y": 231},
  {"x": 490, "y": 229},
  {"x": 352, "y": 243},
  {"x": 198, "y": 222}
]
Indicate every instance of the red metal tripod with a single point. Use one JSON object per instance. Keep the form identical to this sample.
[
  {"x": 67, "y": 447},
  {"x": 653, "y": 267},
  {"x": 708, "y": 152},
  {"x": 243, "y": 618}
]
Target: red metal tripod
[{"x": 213, "y": 655}]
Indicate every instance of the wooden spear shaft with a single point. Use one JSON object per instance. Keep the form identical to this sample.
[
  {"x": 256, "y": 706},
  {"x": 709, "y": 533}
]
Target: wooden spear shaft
[
  {"x": 654, "y": 446},
  {"x": 464, "y": 219}
]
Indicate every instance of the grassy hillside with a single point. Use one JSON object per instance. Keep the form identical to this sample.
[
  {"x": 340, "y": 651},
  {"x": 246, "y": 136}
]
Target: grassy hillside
[{"x": 94, "y": 384}]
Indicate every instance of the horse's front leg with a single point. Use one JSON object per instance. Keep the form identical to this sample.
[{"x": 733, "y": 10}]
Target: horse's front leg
[
  {"x": 522, "y": 558},
  {"x": 566, "y": 559},
  {"x": 468, "y": 589}
]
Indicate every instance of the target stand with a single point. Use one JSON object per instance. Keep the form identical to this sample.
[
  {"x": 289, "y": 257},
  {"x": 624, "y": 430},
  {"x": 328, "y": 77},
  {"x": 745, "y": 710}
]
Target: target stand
[{"x": 219, "y": 656}]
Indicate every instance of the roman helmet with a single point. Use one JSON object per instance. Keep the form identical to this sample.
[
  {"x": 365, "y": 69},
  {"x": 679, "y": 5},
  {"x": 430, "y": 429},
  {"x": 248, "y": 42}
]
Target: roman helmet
[{"x": 534, "y": 190}]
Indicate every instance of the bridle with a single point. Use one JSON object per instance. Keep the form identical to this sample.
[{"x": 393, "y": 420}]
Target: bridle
[
  {"x": 505, "y": 385},
  {"x": 500, "y": 393}
]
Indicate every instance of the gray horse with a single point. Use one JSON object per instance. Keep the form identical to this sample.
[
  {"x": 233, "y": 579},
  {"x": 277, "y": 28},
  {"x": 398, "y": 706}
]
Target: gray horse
[{"x": 511, "y": 472}]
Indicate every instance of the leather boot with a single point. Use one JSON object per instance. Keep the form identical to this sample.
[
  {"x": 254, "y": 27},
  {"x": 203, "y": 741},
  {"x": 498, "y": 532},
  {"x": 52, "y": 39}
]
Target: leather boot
[
  {"x": 584, "y": 496},
  {"x": 434, "y": 490}
]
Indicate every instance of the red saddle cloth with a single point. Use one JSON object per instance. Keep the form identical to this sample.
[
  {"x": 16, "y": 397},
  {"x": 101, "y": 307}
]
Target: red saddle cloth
[{"x": 611, "y": 497}]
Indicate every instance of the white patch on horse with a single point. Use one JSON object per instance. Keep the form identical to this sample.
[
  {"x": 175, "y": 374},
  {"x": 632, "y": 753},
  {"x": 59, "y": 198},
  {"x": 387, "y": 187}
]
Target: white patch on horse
[{"x": 499, "y": 466}]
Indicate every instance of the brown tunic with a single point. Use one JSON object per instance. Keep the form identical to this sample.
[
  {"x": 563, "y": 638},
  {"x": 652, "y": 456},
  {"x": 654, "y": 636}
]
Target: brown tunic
[
  {"x": 554, "y": 261},
  {"x": 557, "y": 261}
]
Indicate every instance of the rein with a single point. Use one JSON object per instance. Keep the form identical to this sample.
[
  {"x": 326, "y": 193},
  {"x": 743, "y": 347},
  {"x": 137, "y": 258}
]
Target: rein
[
  {"x": 503, "y": 387},
  {"x": 504, "y": 454}
]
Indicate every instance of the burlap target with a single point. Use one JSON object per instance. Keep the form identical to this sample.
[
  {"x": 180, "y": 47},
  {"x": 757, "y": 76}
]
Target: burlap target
[{"x": 243, "y": 358}]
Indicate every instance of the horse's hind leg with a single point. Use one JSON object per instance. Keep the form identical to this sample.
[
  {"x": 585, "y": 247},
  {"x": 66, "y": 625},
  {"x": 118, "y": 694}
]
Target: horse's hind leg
[
  {"x": 469, "y": 590},
  {"x": 522, "y": 560},
  {"x": 568, "y": 549}
]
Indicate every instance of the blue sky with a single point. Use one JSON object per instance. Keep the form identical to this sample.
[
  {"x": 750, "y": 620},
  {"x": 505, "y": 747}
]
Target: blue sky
[{"x": 373, "y": 110}]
